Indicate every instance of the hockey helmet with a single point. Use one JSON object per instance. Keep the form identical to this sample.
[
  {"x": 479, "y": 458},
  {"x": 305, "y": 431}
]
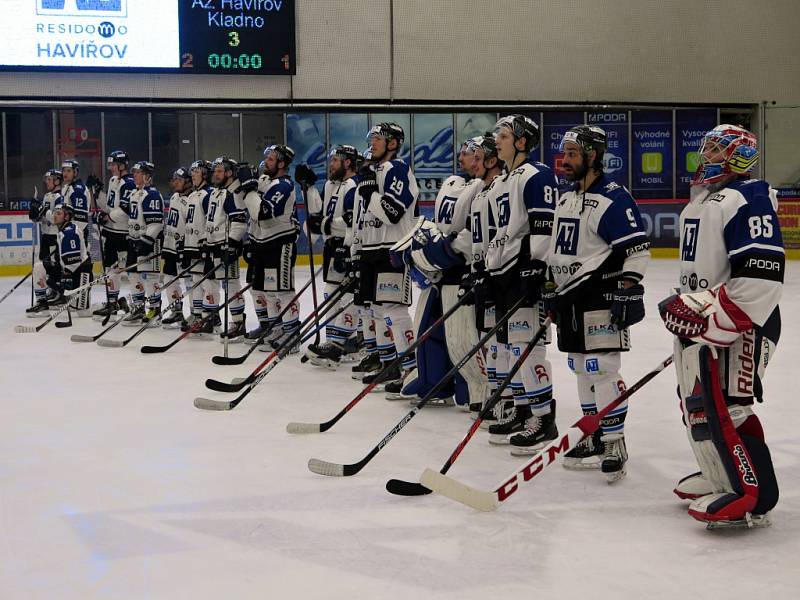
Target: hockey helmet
[{"x": 726, "y": 149}]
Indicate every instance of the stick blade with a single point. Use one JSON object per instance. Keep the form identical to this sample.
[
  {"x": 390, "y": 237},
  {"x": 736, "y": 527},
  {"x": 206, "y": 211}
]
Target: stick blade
[
  {"x": 81, "y": 338},
  {"x": 221, "y": 386},
  {"x": 295, "y": 427},
  {"x": 455, "y": 490},
  {"x": 63, "y": 324},
  {"x": 153, "y": 349},
  {"x": 323, "y": 467},
  {"x": 398, "y": 487},
  {"x": 206, "y": 404},
  {"x": 24, "y": 329},
  {"x": 110, "y": 343},
  {"x": 228, "y": 360}
]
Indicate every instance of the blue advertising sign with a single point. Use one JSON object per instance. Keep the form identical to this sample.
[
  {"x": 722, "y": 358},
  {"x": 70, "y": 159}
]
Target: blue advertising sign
[
  {"x": 433, "y": 152},
  {"x": 553, "y": 127},
  {"x": 349, "y": 128},
  {"x": 615, "y": 160},
  {"x": 651, "y": 166},
  {"x": 691, "y": 126},
  {"x": 305, "y": 134}
]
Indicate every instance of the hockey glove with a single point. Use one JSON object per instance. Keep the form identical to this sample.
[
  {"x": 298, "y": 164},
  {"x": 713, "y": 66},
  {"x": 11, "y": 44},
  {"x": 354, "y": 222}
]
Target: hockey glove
[
  {"x": 95, "y": 185},
  {"x": 532, "y": 272},
  {"x": 341, "y": 259},
  {"x": 35, "y": 210},
  {"x": 232, "y": 248},
  {"x": 144, "y": 246},
  {"x": 549, "y": 300},
  {"x": 708, "y": 317},
  {"x": 247, "y": 252},
  {"x": 304, "y": 175},
  {"x": 315, "y": 223},
  {"x": 368, "y": 186},
  {"x": 627, "y": 306}
]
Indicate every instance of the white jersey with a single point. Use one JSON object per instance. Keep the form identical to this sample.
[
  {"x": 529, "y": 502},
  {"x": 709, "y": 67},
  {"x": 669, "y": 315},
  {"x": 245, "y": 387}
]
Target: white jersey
[
  {"x": 452, "y": 208},
  {"x": 263, "y": 183},
  {"x": 196, "y": 208},
  {"x": 273, "y": 213},
  {"x": 338, "y": 200},
  {"x": 524, "y": 206},
  {"x": 226, "y": 215},
  {"x": 474, "y": 242},
  {"x": 49, "y": 201},
  {"x": 117, "y": 203},
  {"x": 597, "y": 235},
  {"x": 146, "y": 216},
  {"x": 175, "y": 224},
  {"x": 731, "y": 238},
  {"x": 392, "y": 210}
]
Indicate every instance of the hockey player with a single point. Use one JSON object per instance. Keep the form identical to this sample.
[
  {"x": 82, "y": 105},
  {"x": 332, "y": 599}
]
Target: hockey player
[
  {"x": 226, "y": 227},
  {"x": 273, "y": 237},
  {"x": 76, "y": 264},
  {"x": 114, "y": 221},
  {"x": 598, "y": 256},
  {"x": 370, "y": 328},
  {"x": 333, "y": 222},
  {"x": 145, "y": 235},
  {"x": 174, "y": 237},
  {"x": 195, "y": 236},
  {"x": 433, "y": 253},
  {"x": 523, "y": 205},
  {"x": 75, "y": 195},
  {"x": 47, "y": 270},
  {"x": 388, "y": 195},
  {"x": 727, "y": 325}
]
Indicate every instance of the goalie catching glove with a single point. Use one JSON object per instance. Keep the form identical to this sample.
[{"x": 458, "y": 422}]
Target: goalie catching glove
[{"x": 708, "y": 317}]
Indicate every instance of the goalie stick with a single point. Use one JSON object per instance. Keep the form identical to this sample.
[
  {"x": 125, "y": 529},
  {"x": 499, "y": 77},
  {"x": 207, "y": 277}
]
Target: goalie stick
[
  {"x": 409, "y": 488},
  {"x": 323, "y": 467},
  {"x": 300, "y": 427},
  {"x": 237, "y": 360},
  {"x": 272, "y": 361},
  {"x": 490, "y": 500}
]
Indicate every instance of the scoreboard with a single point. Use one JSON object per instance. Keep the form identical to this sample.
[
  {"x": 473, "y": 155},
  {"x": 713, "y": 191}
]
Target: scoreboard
[{"x": 255, "y": 37}]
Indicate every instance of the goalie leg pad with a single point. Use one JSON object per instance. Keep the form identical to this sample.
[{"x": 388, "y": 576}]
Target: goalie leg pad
[
  {"x": 471, "y": 382},
  {"x": 737, "y": 466},
  {"x": 431, "y": 356}
]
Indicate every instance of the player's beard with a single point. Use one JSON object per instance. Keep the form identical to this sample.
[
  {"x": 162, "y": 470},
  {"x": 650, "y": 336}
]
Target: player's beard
[
  {"x": 338, "y": 174},
  {"x": 577, "y": 174}
]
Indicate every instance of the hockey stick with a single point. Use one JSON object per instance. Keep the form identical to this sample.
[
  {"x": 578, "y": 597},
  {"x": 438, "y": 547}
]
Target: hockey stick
[
  {"x": 102, "y": 278},
  {"x": 225, "y": 360},
  {"x": 331, "y": 469},
  {"x": 299, "y": 427},
  {"x": 11, "y": 291},
  {"x": 304, "y": 189},
  {"x": 269, "y": 363},
  {"x": 222, "y": 386},
  {"x": 94, "y": 338},
  {"x": 122, "y": 343},
  {"x": 409, "y": 488},
  {"x": 226, "y": 283},
  {"x": 107, "y": 318},
  {"x": 196, "y": 326},
  {"x": 34, "y": 231},
  {"x": 490, "y": 500}
]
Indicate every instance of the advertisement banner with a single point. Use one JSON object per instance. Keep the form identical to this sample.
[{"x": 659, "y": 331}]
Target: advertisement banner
[
  {"x": 651, "y": 154},
  {"x": 789, "y": 216},
  {"x": 661, "y": 221},
  {"x": 16, "y": 232},
  {"x": 691, "y": 125},
  {"x": 615, "y": 160},
  {"x": 553, "y": 127},
  {"x": 433, "y": 152}
]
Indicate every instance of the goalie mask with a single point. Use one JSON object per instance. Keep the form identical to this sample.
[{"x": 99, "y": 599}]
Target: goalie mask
[{"x": 725, "y": 150}]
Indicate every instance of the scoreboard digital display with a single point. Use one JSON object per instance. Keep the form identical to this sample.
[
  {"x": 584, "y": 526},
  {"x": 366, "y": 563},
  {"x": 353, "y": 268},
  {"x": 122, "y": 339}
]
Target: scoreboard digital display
[{"x": 254, "y": 37}]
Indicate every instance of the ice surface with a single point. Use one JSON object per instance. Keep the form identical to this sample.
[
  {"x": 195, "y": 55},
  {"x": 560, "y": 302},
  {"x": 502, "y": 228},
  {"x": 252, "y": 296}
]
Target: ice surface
[{"x": 112, "y": 485}]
